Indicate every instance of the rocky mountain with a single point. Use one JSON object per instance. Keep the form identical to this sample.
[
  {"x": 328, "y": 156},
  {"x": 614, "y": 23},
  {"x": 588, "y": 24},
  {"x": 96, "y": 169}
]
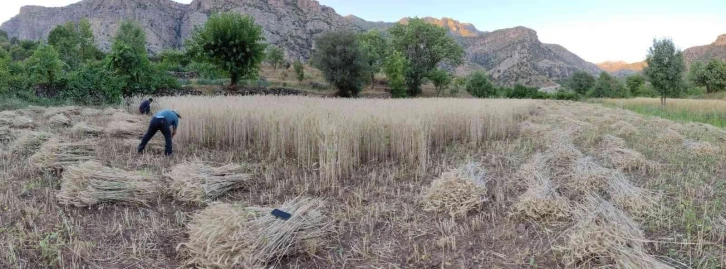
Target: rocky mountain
[
  {"x": 613, "y": 67},
  {"x": 715, "y": 50},
  {"x": 510, "y": 56},
  {"x": 516, "y": 55},
  {"x": 290, "y": 24}
]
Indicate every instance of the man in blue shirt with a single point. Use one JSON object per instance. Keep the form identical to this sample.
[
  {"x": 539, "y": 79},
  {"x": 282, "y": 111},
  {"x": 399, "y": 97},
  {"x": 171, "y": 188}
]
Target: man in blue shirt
[
  {"x": 145, "y": 107},
  {"x": 162, "y": 121}
]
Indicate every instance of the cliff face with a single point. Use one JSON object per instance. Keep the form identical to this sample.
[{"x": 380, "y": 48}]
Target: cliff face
[
  {"x": 510, "y": 56},
  {"x": 716, "y": 50}
]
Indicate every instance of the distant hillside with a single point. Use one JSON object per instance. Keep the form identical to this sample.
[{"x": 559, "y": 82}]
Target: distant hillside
[
  {"x": 510, "y": 56},
  {"x": 715, "y": 50},
  {"x": 613, "y": 67}
]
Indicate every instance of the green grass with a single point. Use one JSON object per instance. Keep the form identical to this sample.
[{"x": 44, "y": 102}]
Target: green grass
[{"x": 675, "y": 113}]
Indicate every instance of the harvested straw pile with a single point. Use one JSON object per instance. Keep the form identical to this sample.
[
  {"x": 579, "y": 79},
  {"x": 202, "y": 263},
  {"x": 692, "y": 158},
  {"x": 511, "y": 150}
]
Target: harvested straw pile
[
  {"x": 124, "y": 129},
  {"x": 82, "y": 128},
  {"x": 586, "y": 176},
  {"x": 197, "y": 182},
  {"x": 233, "y": 236},
  {"x": 609, "y": 141},
  {"x": 59, "y": 120},
  {"x": 68, "y": 110},
  {"x": 89, "y": 112},
  {"x": 122, "y": 116},
  {"x": 28, "y": 141},
  {"x": 6, "y": 117},
  {"x": 458, "y": 191},
  {"x": 669, "y": 135},
  {"x": 561, "y": 158},
  {"x": 22, "y": 122},
  {"x": 57, "y": 155},
  {"x": 635, "y": 200},
  {"x": 534, "y": 130},
  {"x": 6, "y": 135},
  {"x": 624, "y": 129},
  {"x": 626, "y": 159},
  {"x": 529, "y": 170},
  {"x": 605, "y": 236},
  {"x": 541, "y": 202},
  {"x": 703, "y": 149},
  {"x": 91, "y": 183}
]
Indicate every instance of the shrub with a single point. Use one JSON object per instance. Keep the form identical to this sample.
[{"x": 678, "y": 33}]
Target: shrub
[
  {"x": 339, "y": 57},
  {"x": 394, "y": 67},
  {"x": 299, "y": 70},
  {"x": 45, "y": 65},
  {"x": 275, "y": 56},
  {"x": 93, "y": 85},
  {"x": 479, "y": 86}
]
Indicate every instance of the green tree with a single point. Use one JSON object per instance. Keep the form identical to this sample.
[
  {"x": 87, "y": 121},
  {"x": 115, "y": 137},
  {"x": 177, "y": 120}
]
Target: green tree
[
  {"x": 339, "y": 57},
  {"x": 5, "y": 62},
  {"x": 394, "y": 67},
  {"x": 581, "y": 82},
  {"x": 374, "y": 48},
  {"x": 712, "y": 75},
  {"x": 66, "y": 40},
  {"x": 22, "y": 50},
  {"x": 128, "y": 59},
  {"x": 425, "y": 46},
  {"x": 93, "y": 84},
  {"x": 275, "y": 56},
  {"x": 45, "y": 65},
  {"x": 665, "y": 68},
  {"x": 441, "y": 80},
  {"x": 636, "y": 84},
  {"x": 608, "y": 86},
  {"x": 299, "y": 70},
  {"x": 88, "y": 50},
  {"x": 479, "y": 85},
  {"x": 173, "y": 60},
  {"x": 232, "y": 42}
]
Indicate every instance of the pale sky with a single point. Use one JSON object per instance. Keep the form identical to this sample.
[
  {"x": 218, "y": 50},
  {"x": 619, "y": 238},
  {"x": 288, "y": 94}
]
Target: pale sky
[{"x": 596, "y": 30}]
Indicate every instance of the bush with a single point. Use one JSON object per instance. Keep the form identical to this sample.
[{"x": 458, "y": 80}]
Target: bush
[
  {"x": 340, "y": 58},
  {"x": 207, "y": 70},
  {"x": 93, "y": 85},
  {"x": 299, "y": 71},
  {"x": 479, "y": 86},
  {"x": 393, "y": 67}
]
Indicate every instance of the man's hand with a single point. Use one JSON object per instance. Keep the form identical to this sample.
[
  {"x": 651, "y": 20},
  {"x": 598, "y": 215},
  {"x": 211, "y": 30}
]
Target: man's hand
[{"x": 173, "y": 133}]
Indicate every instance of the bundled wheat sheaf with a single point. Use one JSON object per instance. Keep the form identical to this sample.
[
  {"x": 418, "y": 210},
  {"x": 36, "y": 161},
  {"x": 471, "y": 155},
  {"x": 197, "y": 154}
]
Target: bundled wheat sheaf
[
  {"x": 54, "y": 111},
  {"x": 59, "y": 120},
  {"x": 56, "y": 154},
  {"x": 627, "y": 159},
  {"x": 91, "y": 183},
  {"x": 457, "y": 191},
  {"x": 82, "y": 128},
  {"x": 561, "y": 157},
  {"x": 28, "y": 141},
  {"x": 234, "y": 236},
  {"x": 609, "y": 141},
  {"x": 337, "y": 135},
  {"x": 541, "y": 201},
  {"x": 624, "y": 128},
  {"x": 669, "y": 135},
  {"x": 124, "y": 129},
  {"x": 701, "y": 148},
  {"x": 198, "y": 182},
  {"x": 635, "y": 200},
  {"x": 587, "y": 176},
  {"x": 605, "y": 236}
]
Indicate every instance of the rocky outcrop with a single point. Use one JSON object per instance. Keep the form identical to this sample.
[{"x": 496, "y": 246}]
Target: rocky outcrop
[
  {"x": 716, "y": 50},
  {"x": 510, "y": 56},
  {"x": 622, "y": 67},
  {"x": 516, "y": 55}
]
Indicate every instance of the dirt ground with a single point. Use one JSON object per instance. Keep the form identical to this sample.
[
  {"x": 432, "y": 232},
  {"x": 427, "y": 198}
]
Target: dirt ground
[{"x": 578, "y": 186}]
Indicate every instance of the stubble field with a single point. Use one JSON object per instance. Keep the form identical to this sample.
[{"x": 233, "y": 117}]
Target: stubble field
[{"x": 422, "y": 183}]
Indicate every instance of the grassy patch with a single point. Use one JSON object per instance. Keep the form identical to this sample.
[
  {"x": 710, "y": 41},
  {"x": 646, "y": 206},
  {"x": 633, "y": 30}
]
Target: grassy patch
[{"x": 711, "y": 112}]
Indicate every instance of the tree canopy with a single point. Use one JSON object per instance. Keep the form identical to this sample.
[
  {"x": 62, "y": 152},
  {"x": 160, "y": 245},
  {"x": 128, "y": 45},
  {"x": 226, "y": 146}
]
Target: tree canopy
[
  {"x": 581, "y": 82},
  {"x": 608, "y": 86},
  {"x": 665, "y": 68},
  {"x": 424, "y": 46},
  {"x": 712, "y": 75},
  {"x": 45, "y": 65},
  {"x": 636, "y": 84},
  {"x": 275, "y": 56},
  {"x": 479, "y": 85},
  {"x": 441, "y": 80},
  {"x": 374, "y": 48},
  {"x": 339, "y": 56},
  {"x": 232, "y": 42}
]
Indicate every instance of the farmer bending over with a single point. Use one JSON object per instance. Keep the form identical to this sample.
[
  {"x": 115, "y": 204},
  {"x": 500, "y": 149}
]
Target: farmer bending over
[
  {"x": 161, "y": 121},
  {"x": 145, "y": 107}
]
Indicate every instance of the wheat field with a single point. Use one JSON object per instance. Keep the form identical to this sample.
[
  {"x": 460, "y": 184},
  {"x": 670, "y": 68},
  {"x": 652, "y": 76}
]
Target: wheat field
[{"x": 338, "y": 135}]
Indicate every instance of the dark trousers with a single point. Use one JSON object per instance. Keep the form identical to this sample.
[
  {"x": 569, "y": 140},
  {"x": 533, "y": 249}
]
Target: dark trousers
[
  {"x": 145, "y": 110},
  {"x": 156, "y": 125}
]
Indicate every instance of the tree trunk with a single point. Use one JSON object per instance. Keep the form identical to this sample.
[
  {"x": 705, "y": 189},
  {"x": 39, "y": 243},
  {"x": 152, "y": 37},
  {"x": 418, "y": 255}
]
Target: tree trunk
[
  {"x": 373, "y": 81},
  {"x": 233, "y": 79}
]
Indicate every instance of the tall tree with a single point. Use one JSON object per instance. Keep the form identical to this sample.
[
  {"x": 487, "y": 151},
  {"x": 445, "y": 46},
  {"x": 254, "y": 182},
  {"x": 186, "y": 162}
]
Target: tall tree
[
  {"x": 45, "y": 65},
  {"x": 275, "y": 56},
  {"x": 128, "y": 58},
  {"x": 636, "y": 84},
  {"x": 712, "y": 75},
  {"x": 394, "y": 67},
  {"x": 339, "y": 56},
  {"x": 608, "y": 86},
  {"x": 374, "y": 48},
  {"x": 425, "y": 46},
  {"x": 581, "y": 82},
  {"x": 665, "y": 68},
  {"x": 232, "y": 42},
  {"x": 66, "y": 40},
  {"x": 4, "y": 70}
]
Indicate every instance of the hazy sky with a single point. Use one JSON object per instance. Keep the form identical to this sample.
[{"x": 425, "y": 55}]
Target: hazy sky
[{"x": 595, "y": 30}]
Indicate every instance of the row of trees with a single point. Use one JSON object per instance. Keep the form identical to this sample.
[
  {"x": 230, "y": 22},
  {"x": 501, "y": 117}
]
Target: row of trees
[{"x": 69, "y": 66}]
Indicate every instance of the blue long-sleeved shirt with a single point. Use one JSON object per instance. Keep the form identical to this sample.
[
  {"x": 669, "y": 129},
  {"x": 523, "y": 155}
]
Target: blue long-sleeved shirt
[{"x": 170, "y": 117}]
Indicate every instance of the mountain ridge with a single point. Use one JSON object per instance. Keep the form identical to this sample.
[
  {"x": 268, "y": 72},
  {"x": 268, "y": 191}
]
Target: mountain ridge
[
  {"x": 704, "y": 53},
  {"x": 510, "y": 56}
]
